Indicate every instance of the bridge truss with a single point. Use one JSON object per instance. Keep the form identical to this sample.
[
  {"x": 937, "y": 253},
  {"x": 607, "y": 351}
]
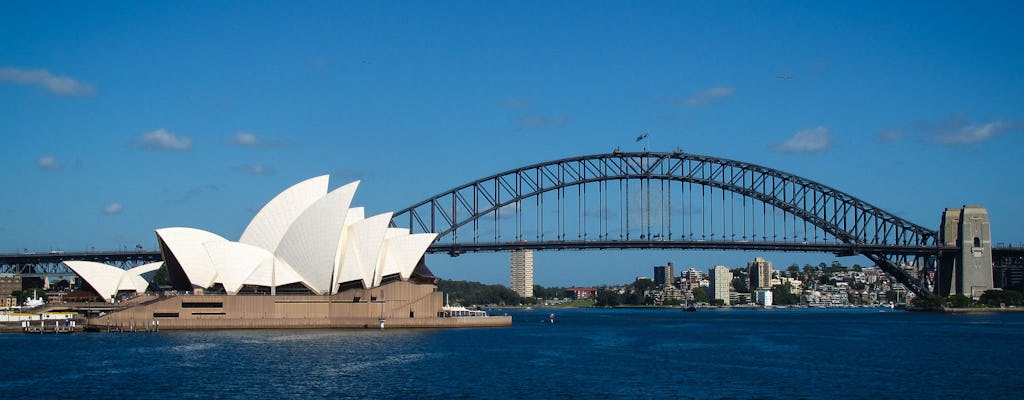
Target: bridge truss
[
  {"x": 51, "y": 264},
  {"x": 647, "y": 200}
]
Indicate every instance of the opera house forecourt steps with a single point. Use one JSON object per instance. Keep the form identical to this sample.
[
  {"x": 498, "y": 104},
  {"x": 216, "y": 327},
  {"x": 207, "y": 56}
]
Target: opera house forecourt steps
[{"x": 308, "y": 259}]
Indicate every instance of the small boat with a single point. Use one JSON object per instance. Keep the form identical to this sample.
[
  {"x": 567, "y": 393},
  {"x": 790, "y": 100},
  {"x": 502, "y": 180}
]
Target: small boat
[{"x": 33, "y": 302}]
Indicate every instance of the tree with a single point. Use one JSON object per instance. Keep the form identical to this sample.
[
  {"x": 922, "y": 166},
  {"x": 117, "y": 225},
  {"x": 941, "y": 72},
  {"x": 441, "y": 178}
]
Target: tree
[
  {"x": 997, "y": 298},
  {"x": 608, "y": 298},
  {"x": 740, "y": 284},
  {"x": 793, "y": 270},
  {"x": 959, "y": 301},
  {"x": 644, "y": 285},
  {"x": 476, "y": 293},
  {"x": 934, "y": 303},
  {"x": 541, "y": 292},
  {"x": 162, "y": 277},
  {"x": 857, "y": 268},
  {"x": 783, "y": 295},
  {"x": 699, "y": 295},
  {"x": 858, "y": 286}
]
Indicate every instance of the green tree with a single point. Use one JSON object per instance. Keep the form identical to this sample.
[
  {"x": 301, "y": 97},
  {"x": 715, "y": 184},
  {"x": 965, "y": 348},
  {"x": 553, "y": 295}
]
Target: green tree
[
  {"x": 740, "y": 284},
  {"x": 541, "y": 292},
  {"x": 644, "y": 285},
  {"x": 858, "y": 286},
  {"x": 162, "y": 277},
  {"x": 934, "y": 303},
  {"x": 476, "y": 293},
  {"x": 783, "y": 295},
  {"x": 608, "y": 298},
  {"x": 699, "y": 295},
  {"x": 959, "y": 301},
  {"x": 997, "y": 298},
  {"x": 793, "y": 270}
]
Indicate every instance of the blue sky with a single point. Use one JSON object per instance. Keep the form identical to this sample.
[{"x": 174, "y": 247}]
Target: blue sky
[{"x": 120, "y": 118}]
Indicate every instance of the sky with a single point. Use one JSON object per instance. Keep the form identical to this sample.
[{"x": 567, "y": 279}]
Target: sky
[{"x": 118, "y": 118}]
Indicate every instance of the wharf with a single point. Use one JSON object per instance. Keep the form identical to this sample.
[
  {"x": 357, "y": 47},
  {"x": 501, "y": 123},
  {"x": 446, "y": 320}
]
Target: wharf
[{"x": 43, "y": 326}]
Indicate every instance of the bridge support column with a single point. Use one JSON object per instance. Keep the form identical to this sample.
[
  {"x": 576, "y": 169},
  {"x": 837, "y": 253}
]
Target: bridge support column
[{"x": 968, "y": 270}]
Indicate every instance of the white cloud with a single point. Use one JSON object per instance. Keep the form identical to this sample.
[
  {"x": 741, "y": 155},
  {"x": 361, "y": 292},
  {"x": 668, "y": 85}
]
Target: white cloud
[
  {"x": 255, "y": 169},
  {"x": 963, "y": 133},
  {"x": 540, "y": 121},
  {"x": 708, "y": 96},
  {"x": 246, "y": 139},
  {"x": 514, "y": 104},
  {"x": 113, "y": 208},
  {"x": 48, "y": 163},
  {"x": 59, "y": 85},
  {"x": 890, "y": 135},
  {"x": 807, "y": 141},
  {"x": 161, "y": 139}
]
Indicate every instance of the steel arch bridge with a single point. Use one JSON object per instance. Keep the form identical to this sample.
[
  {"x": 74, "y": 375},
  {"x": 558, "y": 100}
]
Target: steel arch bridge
[{"x": 649, "y": 200}]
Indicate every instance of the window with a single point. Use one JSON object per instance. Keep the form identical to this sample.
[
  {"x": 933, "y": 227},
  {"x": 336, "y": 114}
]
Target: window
[
  {"x": 977, "y": 242},
  {"x": 165, "y": 315},
  {"x": 201, "y": 305}
]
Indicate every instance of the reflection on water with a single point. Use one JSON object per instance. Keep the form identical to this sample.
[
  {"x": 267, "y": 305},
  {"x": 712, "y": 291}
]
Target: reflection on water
[{"x": 601, "y": 353}]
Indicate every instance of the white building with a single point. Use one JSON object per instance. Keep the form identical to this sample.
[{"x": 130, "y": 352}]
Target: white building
[
  {"x": 521, "y": 271},
  {"x": 763, "y": 297},
  {"x": 719, "y": 280},
  {"x": 306, "y": 240}
]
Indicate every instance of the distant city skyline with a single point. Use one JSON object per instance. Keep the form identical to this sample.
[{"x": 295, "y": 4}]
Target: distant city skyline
[{"x": 122, "y": 118}]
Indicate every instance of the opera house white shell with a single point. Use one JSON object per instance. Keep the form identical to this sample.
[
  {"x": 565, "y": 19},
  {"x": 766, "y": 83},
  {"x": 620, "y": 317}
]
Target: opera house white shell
[
  {"x": 108, "y": 280},
  {"x": 305, "y": 238}
]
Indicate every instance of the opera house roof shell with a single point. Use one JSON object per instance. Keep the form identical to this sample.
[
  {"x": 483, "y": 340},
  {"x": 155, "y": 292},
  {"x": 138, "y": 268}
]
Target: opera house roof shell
[{"x": 305, "y": 235}]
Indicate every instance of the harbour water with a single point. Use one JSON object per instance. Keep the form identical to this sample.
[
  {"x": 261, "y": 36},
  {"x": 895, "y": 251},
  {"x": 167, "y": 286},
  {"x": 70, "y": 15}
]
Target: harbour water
[{"x": 585, "y": 353}]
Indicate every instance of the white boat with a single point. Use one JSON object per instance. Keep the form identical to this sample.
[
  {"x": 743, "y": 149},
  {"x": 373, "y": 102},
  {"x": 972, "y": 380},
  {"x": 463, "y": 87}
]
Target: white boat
[{"x": 33, "y": 302}]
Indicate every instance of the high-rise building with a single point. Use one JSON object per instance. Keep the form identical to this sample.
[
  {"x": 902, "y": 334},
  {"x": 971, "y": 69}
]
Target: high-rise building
[
  {"x": 760, "y": 273},
  {"x": 692, "y": 274},
  {"x": 720, "y": 278},
  {"x": 521, "y": 271},
  {"x": 664, "y": 275}
]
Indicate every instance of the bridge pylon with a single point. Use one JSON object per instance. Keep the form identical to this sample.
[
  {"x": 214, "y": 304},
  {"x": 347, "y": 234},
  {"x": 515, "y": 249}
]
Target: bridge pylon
[{"x": 967, "y": 267}]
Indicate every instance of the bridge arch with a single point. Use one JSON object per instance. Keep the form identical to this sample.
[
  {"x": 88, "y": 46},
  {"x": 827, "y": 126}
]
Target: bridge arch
[{"x": 839, "y": 222}]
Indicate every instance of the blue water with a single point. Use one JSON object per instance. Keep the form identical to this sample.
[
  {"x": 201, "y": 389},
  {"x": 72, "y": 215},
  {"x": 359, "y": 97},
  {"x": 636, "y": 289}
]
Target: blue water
[{"x": 586, "y": 353}]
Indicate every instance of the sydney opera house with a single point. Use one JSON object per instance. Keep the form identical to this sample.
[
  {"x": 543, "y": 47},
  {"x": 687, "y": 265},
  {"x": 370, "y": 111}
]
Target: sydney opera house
[{"x": 307, "y": 259}]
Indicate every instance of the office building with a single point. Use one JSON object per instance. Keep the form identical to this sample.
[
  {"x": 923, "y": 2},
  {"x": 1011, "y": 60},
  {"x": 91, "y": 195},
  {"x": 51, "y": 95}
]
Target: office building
[
  {"x": 664, "y": 275},
  {"x": 760, "y": 273},
  {"x": 720, "y": 279},
  {"x": 521, "y": 271}
]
